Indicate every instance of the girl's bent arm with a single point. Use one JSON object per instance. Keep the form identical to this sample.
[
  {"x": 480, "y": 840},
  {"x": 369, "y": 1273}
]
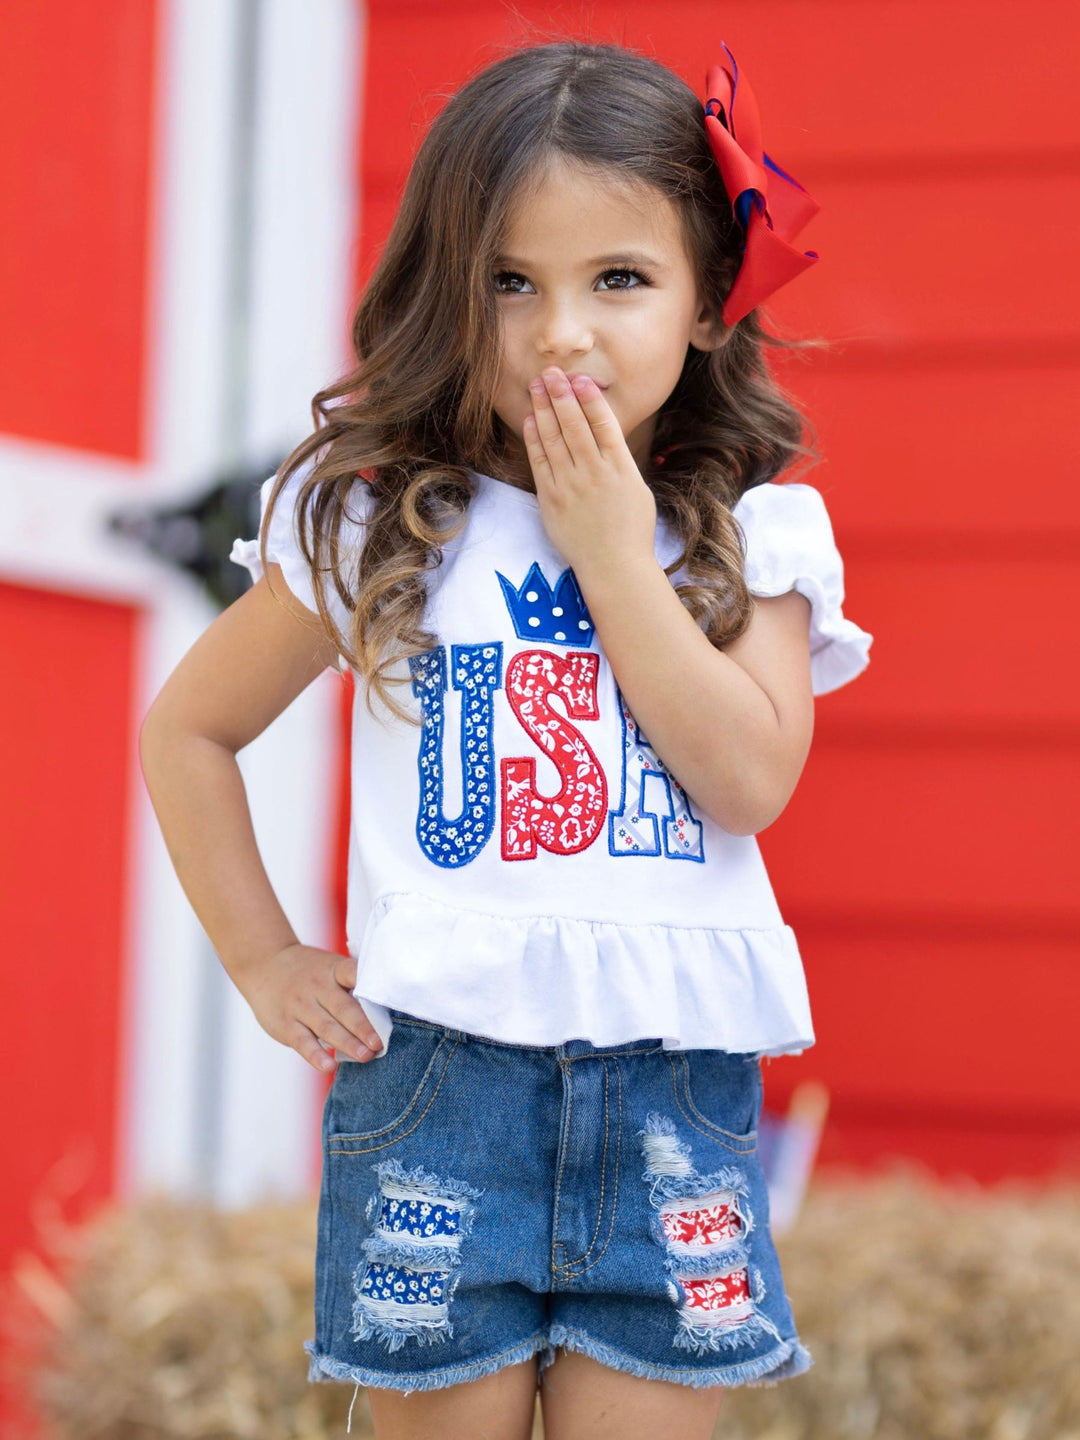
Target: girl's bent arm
[
  {"x": 251, "y": 663},
  {"x": 733, "y": 726}
]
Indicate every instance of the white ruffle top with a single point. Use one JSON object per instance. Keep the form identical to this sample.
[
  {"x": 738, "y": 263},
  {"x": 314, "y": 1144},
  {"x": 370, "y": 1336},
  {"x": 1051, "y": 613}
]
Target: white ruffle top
[{"x": 521, "y": 864}]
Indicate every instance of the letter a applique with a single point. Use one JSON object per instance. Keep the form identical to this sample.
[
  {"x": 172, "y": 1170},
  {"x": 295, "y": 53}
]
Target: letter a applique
[
  {"x": 571, "y": 820},
  {"x": 476, "y": 672},
  {"x": 633, "y": 829}
]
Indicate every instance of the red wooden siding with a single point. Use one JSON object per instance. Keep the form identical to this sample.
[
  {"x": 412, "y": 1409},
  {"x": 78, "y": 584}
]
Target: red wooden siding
[
  {"x": 76, "y": 129},
  {"x": 75, "y": 140},
  {"x": 924, "y": 860},
  {"x": 64, "y": 783}
]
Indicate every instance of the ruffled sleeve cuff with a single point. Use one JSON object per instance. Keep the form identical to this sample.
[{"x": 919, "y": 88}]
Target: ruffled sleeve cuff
[
  {"x": 790, "y": 546},
  {"x": 283, "y": 545},
  {"x": 282, "y": 542}
]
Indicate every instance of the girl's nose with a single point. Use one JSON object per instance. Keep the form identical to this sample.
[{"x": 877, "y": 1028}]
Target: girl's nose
[{"x": 562, "y": 331}]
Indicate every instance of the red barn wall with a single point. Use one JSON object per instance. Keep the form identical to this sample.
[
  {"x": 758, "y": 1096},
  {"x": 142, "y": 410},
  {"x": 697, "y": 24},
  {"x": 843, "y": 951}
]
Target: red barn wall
[
  {"x": 924, "y": 860},
  {"x": 75, "y": 143},
  {"x": 75, "y": 139},
  {"x": 75, "y": 147}
]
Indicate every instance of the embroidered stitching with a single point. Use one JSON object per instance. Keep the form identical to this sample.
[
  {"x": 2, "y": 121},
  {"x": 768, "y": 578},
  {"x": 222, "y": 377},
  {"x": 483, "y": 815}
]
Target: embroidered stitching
[
  {"x": 370, "y": 1149},
  {"x": 576, "y": 1266},
  {"x": 476, "y": 671},
  {"x": 635, "y": 830},
  {"x": 740, "y": 1146},
  {"x": 568, "y": 1074},
  {"x": 540, "y": 613},
  {"x": 569, "y": 821},
  {"x": 375, "y": 1134}
]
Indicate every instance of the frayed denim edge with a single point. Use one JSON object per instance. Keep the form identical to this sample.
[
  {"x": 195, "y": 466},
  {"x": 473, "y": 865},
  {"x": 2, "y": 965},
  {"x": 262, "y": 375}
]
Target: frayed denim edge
[
  {"x": 400, "y": 1250},
  {"x": 421, "y": 1179},
  {"x": 322, "y": 1369},
  {"x": 789, "y": 1359}
]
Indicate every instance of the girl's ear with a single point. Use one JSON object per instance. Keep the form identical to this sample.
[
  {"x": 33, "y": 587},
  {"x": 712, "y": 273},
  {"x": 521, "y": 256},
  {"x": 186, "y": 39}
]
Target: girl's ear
[{"x": 708, "y": 331}]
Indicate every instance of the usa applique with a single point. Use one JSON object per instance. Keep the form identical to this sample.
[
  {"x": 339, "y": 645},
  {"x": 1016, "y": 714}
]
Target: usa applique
[{"x": 653, "y": 816}]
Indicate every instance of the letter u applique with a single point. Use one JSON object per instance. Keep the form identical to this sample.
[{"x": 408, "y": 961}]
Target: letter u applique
[{"x": 476, "y": 671}]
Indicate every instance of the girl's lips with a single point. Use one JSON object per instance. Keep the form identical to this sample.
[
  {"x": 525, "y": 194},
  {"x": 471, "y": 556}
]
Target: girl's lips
[{"x": 573, "y": 375}]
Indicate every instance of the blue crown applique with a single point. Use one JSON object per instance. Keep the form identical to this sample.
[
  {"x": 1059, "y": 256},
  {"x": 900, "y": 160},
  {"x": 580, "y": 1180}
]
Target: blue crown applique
[{"x": 539, "y": 614}]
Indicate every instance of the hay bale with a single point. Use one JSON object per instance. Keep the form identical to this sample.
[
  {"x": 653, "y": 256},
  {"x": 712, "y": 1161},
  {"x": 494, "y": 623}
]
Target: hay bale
[
  {"x": 186, "y": 1321},
  {"x": 932, "y": 1314}
]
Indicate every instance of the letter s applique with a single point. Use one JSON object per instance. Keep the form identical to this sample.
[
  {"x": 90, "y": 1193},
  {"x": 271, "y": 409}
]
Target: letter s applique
[{"x": 569, "y": 821}]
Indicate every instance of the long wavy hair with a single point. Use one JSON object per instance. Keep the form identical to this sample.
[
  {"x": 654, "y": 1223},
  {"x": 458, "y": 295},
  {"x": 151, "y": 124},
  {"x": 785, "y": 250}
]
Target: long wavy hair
[{"x": 415, "y": 415}]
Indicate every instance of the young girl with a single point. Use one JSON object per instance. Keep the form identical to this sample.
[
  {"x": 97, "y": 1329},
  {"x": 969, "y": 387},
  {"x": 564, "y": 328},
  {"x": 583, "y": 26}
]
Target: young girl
[{"x": 539, "y": 524}]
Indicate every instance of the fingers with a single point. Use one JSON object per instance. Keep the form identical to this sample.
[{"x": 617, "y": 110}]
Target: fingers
[
  {"x": 534, "y": 449},
  {"x": 605, "y": 429},
  {"x": 345, "y": 971},
  {"x": 574, "y": 423},
  {"x": 549, "y": 429},
  {"x": 316, "y": 1012},
  {"x": 307, "y": 1046},
  {"x": 347, "y": 1015},
  {"x": 343, "y": 1040},
  {"x": 316, "y": 1041}
]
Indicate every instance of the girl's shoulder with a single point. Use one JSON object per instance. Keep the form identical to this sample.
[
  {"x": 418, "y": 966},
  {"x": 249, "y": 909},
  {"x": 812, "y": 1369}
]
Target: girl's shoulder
[{"x": 789, "y": 545}]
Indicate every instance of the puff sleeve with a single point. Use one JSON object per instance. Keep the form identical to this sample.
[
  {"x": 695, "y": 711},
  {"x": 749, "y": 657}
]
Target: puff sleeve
[
  {"x": 283, "y": 544},
  {"x": 790, "y": 546}
]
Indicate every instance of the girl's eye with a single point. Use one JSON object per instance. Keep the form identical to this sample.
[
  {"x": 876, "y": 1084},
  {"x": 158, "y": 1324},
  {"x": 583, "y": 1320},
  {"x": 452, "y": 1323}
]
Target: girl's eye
[
  {"x": 509, "y": 282},
  {"x": 623, "y": 279}
]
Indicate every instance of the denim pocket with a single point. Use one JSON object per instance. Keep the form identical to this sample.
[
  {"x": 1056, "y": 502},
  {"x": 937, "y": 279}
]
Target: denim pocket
[
  {"x": 375, "y": 1105},
  {"x": 720, "y": 1095}
]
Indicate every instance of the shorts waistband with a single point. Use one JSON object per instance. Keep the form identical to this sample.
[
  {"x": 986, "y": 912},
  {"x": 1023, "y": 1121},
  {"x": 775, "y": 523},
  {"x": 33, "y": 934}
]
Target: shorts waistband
[{"x": 568, "y": 1050}]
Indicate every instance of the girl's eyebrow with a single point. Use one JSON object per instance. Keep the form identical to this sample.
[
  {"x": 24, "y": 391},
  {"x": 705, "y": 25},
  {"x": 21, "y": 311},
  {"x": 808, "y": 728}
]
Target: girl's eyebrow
[{"x": 631, "y": 259}]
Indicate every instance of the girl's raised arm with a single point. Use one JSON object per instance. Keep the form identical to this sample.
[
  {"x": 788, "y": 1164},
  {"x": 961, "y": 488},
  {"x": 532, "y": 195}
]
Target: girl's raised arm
[{"x": 251, "y": 663}]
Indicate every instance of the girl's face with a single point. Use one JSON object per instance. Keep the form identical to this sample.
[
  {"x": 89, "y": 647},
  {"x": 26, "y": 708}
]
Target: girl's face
[{"x": 595, "y": 277}]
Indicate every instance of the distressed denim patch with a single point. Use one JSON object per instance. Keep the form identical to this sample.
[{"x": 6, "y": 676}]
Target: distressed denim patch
[
  {"x": 702, "y": 1224},
  {"x": 411, "y": 1261}
]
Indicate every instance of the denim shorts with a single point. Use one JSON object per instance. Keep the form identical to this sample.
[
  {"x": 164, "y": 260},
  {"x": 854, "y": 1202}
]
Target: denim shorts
[{"x": 483, "y": 1203}]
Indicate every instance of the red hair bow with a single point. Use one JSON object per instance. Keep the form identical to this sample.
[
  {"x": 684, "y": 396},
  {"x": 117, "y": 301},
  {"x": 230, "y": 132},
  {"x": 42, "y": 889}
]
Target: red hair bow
[{"x": 770, "y": 206}]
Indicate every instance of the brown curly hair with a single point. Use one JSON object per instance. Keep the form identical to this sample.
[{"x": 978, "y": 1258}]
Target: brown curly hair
[{"x": 415, "y": 416}]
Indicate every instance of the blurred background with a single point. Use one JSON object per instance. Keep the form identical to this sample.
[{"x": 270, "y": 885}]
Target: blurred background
[{"x": 193, "y": 193}]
